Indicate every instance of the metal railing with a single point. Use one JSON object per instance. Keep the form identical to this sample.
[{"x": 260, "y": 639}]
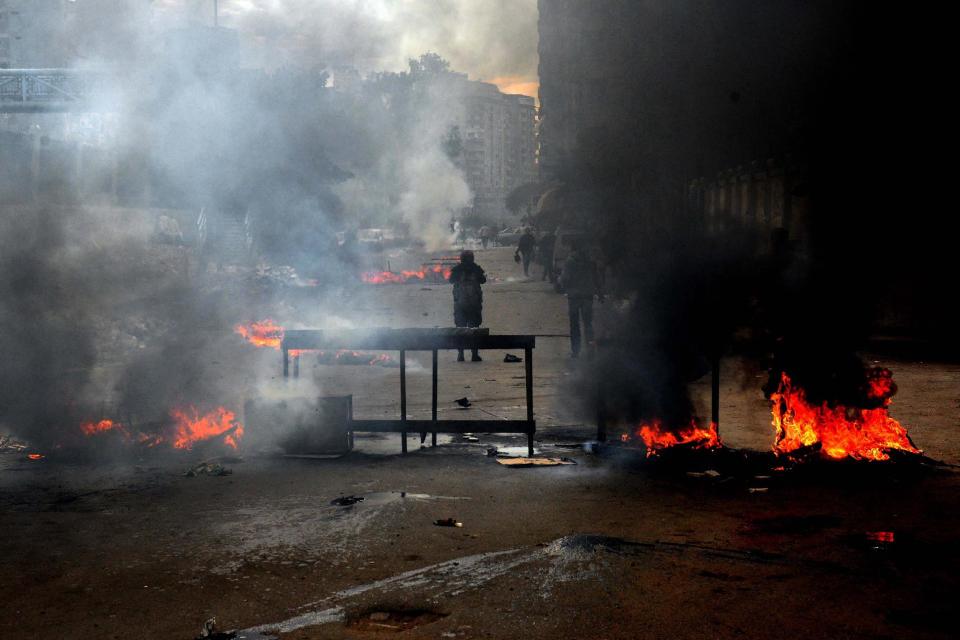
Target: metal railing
[{"x": 46, "y": 90}]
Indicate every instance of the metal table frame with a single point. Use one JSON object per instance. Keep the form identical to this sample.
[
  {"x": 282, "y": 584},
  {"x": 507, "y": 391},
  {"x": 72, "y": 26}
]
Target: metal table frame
[{"x": 404, "y": 341}]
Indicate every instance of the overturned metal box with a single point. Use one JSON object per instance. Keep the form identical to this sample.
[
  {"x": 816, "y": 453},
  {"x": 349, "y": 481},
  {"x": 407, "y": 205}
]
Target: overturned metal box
[{"x": 303, "y": 426}]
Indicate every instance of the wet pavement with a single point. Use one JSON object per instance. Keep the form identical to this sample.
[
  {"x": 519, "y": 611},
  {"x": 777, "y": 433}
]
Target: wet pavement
[{"x": 612, "y": 547}]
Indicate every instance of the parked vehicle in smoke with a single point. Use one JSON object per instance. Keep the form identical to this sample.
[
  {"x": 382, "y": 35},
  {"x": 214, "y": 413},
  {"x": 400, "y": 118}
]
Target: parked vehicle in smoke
[{"x": 509, "y": 236}]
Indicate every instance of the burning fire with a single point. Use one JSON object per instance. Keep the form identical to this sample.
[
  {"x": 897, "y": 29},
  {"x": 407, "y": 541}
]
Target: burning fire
[
  {"x": 841, "y": 432},
  {"x": 431, "y": 272},
  {"x": 188, "y": 429},
  {"x": 656, "y": 438},
  {"x": 35, "y": 456},
  {"x": 265, "y": 333},
  {"x": 91, "y": 428},
  {"x": 191, "y": 427}
]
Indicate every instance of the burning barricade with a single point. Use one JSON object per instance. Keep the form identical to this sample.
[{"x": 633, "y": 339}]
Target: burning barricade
[
  {"x": 267, "y": 333},
  {"x": 434, "y": 272},
  {"x": 186, "y": 428}
]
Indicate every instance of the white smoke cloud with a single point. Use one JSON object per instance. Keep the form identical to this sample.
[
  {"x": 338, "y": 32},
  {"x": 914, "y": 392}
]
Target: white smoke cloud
[{"x": 488, "y": 39}]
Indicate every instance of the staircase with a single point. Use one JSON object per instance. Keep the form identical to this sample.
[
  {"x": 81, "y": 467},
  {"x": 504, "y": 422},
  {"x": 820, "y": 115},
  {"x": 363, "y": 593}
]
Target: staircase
[{"x": 224, "y": 238}]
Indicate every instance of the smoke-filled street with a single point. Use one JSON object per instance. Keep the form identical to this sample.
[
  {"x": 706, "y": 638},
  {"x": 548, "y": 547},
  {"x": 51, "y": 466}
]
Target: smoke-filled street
[
  {"x": 592, "y": 319},
  {"x": 609, "y": 547}
]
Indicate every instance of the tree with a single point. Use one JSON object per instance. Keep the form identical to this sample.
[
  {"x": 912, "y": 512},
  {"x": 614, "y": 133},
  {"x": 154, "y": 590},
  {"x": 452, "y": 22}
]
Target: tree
[{"x": 429, "y": 64}]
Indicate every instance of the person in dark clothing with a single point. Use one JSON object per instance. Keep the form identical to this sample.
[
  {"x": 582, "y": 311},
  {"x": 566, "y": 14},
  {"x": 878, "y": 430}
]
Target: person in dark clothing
[
  {"x": 545, "y": 250},
  {"x": 525, "y": 249},
  {"x": 466, "y": 279},
  {"x": 580, "y": 280}
]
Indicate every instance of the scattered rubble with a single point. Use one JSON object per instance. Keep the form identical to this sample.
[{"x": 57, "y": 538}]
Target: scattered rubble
[
  {"x": 346, "y": 501},
  {"x": 208, "y": 469},
  {"x": 463, "y": 402},
  {"x": 9, "y": 444},
  {"x": 448, "y": 522},
  {"x": 209, "y": 632},
  {"x": 535, "y": 462}
]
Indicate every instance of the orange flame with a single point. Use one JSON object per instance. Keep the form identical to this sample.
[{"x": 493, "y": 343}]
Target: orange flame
[
  {"x": 656, "y": 438},
  {"x": 842, "y": 432},
  {"x": 191, "y": 427},
  {"x": 35, "y": 456},
  {"x": 432, "y": 272},
  {"x": 103, "y": 426},
  {"x": 265, "y": 333}
]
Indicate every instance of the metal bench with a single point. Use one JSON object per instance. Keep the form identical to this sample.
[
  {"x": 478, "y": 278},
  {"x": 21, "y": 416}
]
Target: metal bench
[{"x": 433, "y": 340}]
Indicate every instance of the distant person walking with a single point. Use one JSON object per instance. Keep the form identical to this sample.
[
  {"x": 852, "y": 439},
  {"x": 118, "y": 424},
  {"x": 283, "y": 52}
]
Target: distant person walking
[
  {"x": 545, "y": 250},
  {"x": 466, "y": 279},
  {"x": 485, "y": 234},
  {"x": 581, "y": 281},
  {"x": 525, "y": 248}
]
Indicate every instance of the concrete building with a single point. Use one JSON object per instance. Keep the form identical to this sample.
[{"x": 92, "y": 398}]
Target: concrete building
[
  {"x": 499, "y": 145},
  {"x": 661, "y": 92}
]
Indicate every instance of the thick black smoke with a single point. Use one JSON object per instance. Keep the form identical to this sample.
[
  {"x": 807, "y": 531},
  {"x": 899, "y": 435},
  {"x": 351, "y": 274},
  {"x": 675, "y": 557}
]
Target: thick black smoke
[{"x": 846, "y": 91}]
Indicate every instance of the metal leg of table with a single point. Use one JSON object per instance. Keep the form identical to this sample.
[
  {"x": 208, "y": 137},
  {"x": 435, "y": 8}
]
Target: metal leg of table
[
  {"x": 403, "y": 397},
  {"x": 528, "y": 363},
  {"x": 433, "y": 404}
]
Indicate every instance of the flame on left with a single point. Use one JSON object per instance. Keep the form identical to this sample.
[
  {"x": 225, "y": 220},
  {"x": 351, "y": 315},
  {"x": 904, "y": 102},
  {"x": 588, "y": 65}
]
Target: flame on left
[
  {"x": 265, "y": 333},
  {"x": 656, "y": 438}
]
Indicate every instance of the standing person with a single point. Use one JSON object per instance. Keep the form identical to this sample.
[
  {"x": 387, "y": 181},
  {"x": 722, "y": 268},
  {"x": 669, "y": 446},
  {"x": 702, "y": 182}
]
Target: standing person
[
  {"x": 466, "y": 279},
  {"x": 484, "y": 235},
  {"x": 545, "y": 250},
  {"x": 580, "y": 279},
  {"x": 525, "y": 249}
]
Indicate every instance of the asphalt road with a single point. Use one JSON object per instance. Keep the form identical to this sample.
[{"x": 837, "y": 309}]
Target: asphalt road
[{"x": 612, "y": 547}]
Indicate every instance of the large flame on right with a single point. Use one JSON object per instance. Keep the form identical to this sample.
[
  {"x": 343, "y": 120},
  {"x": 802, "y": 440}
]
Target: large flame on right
[{"x": 841, "y": 432}]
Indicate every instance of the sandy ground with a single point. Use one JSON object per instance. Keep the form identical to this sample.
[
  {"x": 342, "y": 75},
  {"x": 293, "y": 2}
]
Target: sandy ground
[{"x": 612, "y": 547}]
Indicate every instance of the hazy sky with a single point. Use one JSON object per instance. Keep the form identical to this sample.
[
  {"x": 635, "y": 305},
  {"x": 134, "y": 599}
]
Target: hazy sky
[{"x": 493, "y": 40}]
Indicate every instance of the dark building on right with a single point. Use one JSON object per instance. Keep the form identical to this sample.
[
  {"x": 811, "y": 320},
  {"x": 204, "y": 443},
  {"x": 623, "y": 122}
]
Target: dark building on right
[{"x": 821, "y": 117}]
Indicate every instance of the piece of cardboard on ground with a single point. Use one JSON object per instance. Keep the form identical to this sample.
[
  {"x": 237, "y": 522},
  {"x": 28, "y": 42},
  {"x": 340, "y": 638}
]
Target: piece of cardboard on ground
[{"x": 534, "y": 462}]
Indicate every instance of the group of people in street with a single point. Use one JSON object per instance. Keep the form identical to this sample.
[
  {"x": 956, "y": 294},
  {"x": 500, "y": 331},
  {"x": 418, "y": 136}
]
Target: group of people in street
[
  {"x": 579, "y": 279},
  {"x": 543, "y": 248}
]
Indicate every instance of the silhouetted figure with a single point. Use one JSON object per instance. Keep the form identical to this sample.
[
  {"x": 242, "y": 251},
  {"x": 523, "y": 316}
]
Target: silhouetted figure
[
  {"x": 466, "y": 279},
  {"x": 485, "y": 235},
  {"x": 580, "y": 280},
  {"x": 545, "y": 249},
  {"x": 525, "y": 249}
]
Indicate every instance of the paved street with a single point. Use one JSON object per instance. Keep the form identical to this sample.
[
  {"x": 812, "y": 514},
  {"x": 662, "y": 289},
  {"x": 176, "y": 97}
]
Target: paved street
[{"x": 611, "y": 547}]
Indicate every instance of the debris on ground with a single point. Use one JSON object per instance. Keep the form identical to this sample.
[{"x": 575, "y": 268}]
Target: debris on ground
[
  {"x": 393, "y": 621},
  {"x": 469, "y": 437},
  {"x": 346, "y": 501},
  {"x": 709, "y": 473},
  {"x": 535, "y": 462},
  {"x": 463, "y": 402},
  {"x": 493, "y": 451},
  {"x": 209, "y": 632},
  {"x": 208, "y": 469},
  {"x": 512, "y": 358},
  {"x": 8, "y": 444},
  {"x": 758, "y": 489},
  {"x": 448, "y": 522}
]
